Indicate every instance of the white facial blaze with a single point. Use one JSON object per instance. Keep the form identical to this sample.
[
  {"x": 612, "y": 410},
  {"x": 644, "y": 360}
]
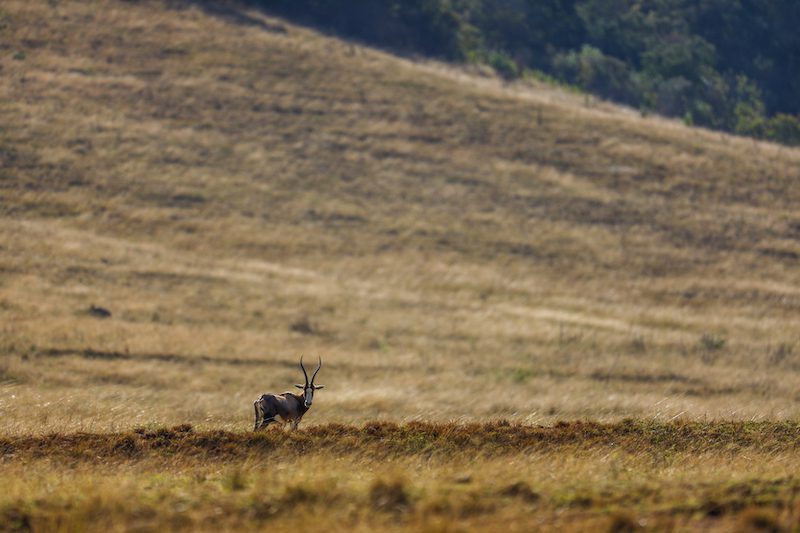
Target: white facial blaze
[{"x": 309, "y": 395}]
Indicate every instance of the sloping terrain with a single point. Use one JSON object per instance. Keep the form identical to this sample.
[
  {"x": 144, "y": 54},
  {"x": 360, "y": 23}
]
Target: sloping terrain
[{"x": 238, "y": 191}]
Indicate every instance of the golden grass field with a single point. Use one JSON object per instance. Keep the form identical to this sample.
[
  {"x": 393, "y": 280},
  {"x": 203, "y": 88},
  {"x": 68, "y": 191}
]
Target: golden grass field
[{"x": 464, "y": 254}]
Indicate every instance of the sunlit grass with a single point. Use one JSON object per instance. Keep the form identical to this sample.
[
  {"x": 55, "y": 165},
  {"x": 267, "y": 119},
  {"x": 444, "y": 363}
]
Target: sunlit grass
[
  {"x": 237, "y": 191},
  {"x": 410, "y": 477}
]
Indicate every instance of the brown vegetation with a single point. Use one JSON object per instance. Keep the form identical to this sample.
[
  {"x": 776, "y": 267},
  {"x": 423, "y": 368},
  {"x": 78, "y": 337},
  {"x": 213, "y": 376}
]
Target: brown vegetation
[
  {"x": 579, "y": 475},
  {"x": 414, "y": 476},
  {"x": 190, "y": 198},
  {"x": 387, "y": 439},
  {"x": 234, "y": 191}
]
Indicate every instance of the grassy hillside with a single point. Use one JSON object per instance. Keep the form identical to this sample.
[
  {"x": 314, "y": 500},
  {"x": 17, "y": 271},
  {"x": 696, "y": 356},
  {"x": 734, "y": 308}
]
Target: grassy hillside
[
  {"x": 238, "y": 191},
  {"x": 470, "y": 258}
]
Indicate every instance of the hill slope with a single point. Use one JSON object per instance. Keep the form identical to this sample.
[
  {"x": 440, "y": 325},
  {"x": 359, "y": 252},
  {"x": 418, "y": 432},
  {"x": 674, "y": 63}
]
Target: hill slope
[{"x": 237, "y": 190}]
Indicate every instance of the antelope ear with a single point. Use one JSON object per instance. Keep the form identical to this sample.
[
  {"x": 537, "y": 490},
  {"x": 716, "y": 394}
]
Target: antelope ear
[
  {"x": 300, "y": 387},
  {"x": 319, "y": 386}
]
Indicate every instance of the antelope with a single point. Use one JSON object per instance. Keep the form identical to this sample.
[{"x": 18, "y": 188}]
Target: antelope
[{"x": 290, "y": 407}]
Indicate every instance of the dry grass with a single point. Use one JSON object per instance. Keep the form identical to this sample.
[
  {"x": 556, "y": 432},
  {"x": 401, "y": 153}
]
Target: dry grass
[
  {"x": 386, "y": 440},
  {"x": 237, "y": 191},
  {"x": 456, "y": 249},
  {"x": 581, "y": 476}
]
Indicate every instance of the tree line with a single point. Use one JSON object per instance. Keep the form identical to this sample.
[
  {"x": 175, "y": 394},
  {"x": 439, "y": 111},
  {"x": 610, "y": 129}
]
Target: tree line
[{"x": 732, "y": 65}]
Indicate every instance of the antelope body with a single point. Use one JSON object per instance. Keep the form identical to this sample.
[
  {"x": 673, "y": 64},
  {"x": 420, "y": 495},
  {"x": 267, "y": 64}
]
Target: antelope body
[{"x": 289, "y": 406}]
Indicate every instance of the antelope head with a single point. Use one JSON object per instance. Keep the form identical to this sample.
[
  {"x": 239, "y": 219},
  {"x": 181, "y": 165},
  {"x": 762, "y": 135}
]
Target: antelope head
[{"x": 309, "y": 388}]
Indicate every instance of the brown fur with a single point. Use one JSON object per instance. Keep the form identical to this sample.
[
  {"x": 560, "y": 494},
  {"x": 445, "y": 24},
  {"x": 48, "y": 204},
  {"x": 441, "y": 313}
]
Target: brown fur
[{"x": 290, "y": 407}]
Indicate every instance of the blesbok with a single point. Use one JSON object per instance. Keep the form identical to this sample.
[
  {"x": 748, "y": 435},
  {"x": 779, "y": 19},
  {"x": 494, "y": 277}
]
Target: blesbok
[{"x": 290, "y": 407}]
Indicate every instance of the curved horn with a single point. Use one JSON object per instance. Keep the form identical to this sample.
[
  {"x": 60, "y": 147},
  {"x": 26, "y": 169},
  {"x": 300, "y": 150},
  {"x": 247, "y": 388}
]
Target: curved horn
[
  {"x": 304, "y": 370},
  {"x": 317, "y": 370}
]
